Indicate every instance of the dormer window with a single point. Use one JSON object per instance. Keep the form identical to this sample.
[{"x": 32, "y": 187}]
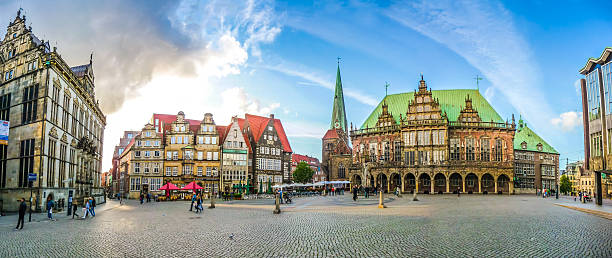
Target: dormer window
[
  {"x": 540, "y": 147},
  {"x": 524, "y": 145}
]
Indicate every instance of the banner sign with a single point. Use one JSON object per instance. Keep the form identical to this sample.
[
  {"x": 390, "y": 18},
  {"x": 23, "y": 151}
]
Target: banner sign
[{"x": 4, "y": 132}]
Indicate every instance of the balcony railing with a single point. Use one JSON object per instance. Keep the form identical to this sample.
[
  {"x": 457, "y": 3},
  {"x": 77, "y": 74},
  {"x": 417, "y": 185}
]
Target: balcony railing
[{"x": 393, "y": 128}]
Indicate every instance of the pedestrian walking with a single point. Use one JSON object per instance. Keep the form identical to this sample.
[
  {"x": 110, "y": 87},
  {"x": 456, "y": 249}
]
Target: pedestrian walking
[
  {"x": 355, "y": 189},
  {"x": 148, "y": 197},
  {"x": 86, "y": 209},
  {"x": 193, "y": 199},
  {"x": 198, "y": 205},
  {"x": 74, "y": 209},
  {"x": 22, "y": 209},
  {"x": 92, "y": 206},
  {"x": 50, "y": 205},
  {"x": 366, "y": 192}
]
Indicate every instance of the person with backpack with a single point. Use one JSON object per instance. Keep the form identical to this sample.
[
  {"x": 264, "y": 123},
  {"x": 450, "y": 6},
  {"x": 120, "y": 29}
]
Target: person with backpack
[
  {"x": 193, "y": 199},
  {"x": 50, "y": 204}
]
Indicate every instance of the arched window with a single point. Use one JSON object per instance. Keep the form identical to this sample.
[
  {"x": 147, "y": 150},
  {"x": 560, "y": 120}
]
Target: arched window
[{"x": 341, "y": 171}]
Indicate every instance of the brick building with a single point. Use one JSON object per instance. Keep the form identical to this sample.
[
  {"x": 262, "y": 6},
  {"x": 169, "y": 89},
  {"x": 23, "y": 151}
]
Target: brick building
[
  {"x": 312, "y": 162},
  {"x": 434, "y": 142},
  {"x": 117, "y": 179},
  {"x": 536, "y": 165}
]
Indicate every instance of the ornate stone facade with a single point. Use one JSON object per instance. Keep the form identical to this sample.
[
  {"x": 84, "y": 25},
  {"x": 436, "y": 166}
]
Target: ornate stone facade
[
  {"x": 56, "y": 125},
  {"x": 434, "y": 142}
]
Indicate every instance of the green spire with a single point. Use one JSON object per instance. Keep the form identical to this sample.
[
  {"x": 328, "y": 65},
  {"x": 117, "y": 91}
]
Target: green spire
[{"x": 338, "y": 114}]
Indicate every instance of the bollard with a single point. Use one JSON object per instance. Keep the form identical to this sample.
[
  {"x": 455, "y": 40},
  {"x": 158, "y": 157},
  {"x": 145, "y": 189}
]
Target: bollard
[
  {"x": 414, "y": 197},
  {"x": 212, "y": 201},
  {"x": 277, "y": 209},
  {"x": 380, "y": 201}
]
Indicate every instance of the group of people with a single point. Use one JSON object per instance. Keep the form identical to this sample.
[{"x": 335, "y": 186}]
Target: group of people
[
  {"x": 584, "y": 197},
  {"x": 198, "y": 200},
  {"x": 335, "y": 191},
  {"x": 89, "y": 206},
  {"x": 143, "y": 196}
]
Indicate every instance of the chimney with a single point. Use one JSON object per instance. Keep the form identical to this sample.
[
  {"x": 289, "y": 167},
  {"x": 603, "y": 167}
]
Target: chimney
[{"x": 271, "y": 116}]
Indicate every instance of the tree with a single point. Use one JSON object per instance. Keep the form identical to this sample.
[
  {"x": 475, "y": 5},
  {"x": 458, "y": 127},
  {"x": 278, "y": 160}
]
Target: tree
[
  {"x": 566, "y": 185},
  {"x": 303, "y": 173}
]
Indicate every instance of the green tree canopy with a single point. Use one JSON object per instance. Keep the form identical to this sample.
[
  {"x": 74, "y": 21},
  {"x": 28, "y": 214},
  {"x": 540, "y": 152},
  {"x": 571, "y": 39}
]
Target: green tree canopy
[
  {"x": 566, "y": 185},
  {"x": 303, "y": 173}
]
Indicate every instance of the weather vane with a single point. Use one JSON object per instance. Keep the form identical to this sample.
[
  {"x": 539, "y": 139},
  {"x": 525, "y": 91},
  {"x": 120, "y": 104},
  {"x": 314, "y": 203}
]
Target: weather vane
[
  {"x": 478, "y": 79},
  {"x": 386, "y": 87}
]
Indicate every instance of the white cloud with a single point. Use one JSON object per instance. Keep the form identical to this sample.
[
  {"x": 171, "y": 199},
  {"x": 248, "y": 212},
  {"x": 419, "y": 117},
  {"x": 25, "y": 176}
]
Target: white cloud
[
  {"x": 489, "y": 94},
  {"x": 577, "y": 87},
  {"x": 568, "y": 121},
  {"x": 484, "y": 34},
  {"x": 236, "y": 101},
  {"x": 315, "y": 80}
]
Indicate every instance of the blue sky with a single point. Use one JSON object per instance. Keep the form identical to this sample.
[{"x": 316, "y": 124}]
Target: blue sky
[{"x": 261, "y": 57}]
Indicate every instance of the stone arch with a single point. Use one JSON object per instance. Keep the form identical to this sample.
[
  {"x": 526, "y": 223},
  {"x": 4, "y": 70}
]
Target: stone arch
[
  {"x": 439, "y": 183},
  {"x": 356, "y": 180},
  {"x": 488, "y": 183},
  {"x": 424, "y": 183},
  {"x": 409, "y": 183},
  {"x": 503, "y": 184},
  {"x": 381, "y": 182},
  {"x": 471, "y": 183},
  {"x": 395, "y": 181},
  {"x": 455, "y": 183}
]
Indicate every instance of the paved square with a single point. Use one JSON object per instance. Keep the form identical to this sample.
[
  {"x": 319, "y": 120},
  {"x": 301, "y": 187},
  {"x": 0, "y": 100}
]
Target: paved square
[{"x": 481, "y": 226}]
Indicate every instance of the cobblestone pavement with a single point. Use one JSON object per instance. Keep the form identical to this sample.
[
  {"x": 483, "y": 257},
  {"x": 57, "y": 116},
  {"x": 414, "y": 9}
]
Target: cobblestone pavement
[{"x": 475, "y": 226}]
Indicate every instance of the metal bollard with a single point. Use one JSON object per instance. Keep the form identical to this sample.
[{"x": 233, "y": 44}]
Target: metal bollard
[{"x": 277, "y": 209}]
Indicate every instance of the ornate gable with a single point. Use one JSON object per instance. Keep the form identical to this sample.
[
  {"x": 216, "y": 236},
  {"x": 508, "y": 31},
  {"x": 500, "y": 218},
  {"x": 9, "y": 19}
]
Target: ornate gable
[
  {"x": 468, "y": 114},
  {"x": 385, "y": 118},
  {"x": 424, "y": 108}
]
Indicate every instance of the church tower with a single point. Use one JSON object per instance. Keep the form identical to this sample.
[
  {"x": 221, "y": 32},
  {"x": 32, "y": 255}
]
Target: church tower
[{"x": 336, "y": 152}]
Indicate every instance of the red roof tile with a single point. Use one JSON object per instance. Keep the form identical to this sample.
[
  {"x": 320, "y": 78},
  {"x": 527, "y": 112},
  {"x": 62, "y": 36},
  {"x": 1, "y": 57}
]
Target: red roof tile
[
  {"x": 222, "y": 130},
  {"x": 258, "y": 125},
  {"x": 331, "y": 134},
  {"x": 246, "y": 138},
  {"x": 282, "y": 135}
]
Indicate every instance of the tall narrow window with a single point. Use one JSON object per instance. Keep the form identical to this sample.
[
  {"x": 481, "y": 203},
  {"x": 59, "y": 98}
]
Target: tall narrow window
[
  {"x": 455, "y": 149},
  {"x": 62, "y": 167},
  {"x": 469, "y": 149},
  {"x": 485, "y": 150},
  {"x": 5, "y": 110},
  {"x": 498, "y": 150},
  {"x": 51, "y": 164},
  {"x": 66, "y": 115},
  {"x": 30, "y": 98},
  {"x": 54, "y": 104},
  {"x": 26, "y": 161}
]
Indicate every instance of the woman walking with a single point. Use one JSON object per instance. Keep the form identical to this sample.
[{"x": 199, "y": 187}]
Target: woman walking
[
  {"x": 86, "y": 209},
  {"x": 50, "y": 205}
]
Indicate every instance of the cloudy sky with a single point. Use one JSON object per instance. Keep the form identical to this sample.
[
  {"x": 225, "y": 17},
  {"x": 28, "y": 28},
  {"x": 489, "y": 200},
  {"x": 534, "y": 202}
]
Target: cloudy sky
[{"x": 262, "y": 57}]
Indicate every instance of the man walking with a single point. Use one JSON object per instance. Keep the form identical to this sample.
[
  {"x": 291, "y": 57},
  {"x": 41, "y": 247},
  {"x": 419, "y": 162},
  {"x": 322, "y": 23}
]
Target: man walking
[
  {"x": 22, "y": 209},
  {"x": 74, "y": 209},
  {"x": 193, "y": 199},
  {"x": 93, "y": 206}
]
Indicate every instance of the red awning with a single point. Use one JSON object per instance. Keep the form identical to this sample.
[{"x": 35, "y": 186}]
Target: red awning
[
  {"x": 169, "y": 186},
  {"x": 192, "y": 186}
]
